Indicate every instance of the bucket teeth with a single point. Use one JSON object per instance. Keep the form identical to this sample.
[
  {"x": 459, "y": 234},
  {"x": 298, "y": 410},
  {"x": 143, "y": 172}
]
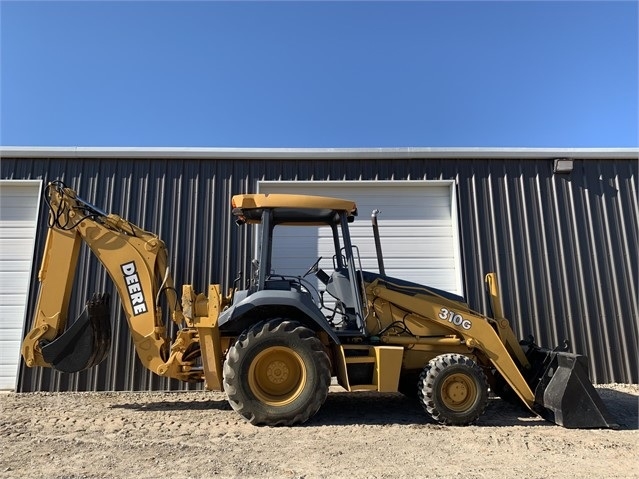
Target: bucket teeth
[
  {"x": 563, "y": 391},
  {"x": 86, "y": 342}
]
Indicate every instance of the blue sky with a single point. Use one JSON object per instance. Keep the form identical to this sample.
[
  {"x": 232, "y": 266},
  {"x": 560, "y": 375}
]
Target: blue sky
[{"x": 319, "y": 74}]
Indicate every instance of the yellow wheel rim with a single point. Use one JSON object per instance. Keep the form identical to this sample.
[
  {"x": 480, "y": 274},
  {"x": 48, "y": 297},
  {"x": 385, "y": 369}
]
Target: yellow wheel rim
[
  {"x": 277, "y": 376},
  {"x": 459, "y": 392}
]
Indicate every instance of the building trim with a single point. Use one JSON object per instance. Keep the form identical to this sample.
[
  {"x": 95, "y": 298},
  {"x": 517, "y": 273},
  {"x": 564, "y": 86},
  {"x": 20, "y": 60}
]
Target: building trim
[{"x": 315, "y": 153}]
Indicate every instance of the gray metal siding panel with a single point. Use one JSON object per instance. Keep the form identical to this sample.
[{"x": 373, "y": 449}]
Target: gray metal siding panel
[
  {"x": 565, "y": 249},
  {"x": 564, "y": 246}
]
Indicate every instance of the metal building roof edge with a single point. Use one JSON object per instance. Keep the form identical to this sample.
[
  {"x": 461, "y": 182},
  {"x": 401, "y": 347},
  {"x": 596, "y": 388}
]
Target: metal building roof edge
[{"x": 314, "y": 153}]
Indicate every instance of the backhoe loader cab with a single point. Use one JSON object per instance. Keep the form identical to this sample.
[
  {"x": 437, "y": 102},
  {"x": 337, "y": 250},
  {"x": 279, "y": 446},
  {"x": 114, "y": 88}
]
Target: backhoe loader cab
[
  {"x": 274, "y": 346},
  {"x": 296, "y": 297}
]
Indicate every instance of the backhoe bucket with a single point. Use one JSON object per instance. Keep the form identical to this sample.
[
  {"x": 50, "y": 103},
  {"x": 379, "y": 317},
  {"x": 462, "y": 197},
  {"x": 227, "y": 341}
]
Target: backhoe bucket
[
  {"x": 563, "y": 391},
  {"x": 86, "y": 342}
]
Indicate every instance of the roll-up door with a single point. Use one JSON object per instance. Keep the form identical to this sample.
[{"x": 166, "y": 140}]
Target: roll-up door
[
  {"x": 18, "y": 219},
  {"x": 418, "y": 229}
]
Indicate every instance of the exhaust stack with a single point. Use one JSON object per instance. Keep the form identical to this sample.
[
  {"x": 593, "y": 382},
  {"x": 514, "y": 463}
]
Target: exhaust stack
[{"x": 378, "y": 243}]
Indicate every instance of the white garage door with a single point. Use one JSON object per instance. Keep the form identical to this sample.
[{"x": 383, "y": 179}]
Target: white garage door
[
  {"x": 18, "y": 218},
  {"x": 417, "y": 224}
]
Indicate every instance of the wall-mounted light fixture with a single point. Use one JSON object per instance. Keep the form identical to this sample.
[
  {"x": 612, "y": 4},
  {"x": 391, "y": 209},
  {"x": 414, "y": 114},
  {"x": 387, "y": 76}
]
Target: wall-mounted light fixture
[{"x": 562, "y": 165}]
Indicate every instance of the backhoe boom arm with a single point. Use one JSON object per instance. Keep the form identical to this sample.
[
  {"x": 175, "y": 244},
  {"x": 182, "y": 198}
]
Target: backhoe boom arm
[{"x": 136, "y": 261}]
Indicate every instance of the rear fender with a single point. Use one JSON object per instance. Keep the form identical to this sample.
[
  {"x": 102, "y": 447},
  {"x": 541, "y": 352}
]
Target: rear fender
[{"x": 267, "y": 304}]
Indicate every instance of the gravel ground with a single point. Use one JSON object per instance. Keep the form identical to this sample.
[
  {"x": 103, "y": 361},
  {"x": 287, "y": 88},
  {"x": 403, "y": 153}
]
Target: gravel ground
[{"x": 197, "y": 435}]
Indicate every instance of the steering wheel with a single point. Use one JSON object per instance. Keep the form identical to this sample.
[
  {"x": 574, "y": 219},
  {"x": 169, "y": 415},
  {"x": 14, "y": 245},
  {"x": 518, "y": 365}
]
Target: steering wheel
[{"x": 313, "y": 269}]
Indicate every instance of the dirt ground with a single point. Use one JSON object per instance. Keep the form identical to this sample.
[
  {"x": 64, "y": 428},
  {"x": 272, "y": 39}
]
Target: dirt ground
[{"x": 362, "y": 435}]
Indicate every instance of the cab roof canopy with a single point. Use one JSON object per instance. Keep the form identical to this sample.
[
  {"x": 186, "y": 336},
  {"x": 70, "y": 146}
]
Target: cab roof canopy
[{"x": 292, "y": 209}]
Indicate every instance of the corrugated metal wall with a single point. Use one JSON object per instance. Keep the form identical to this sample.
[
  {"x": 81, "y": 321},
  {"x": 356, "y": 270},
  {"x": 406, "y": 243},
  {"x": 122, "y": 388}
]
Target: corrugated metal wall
[{"x": 564, "y": 246}]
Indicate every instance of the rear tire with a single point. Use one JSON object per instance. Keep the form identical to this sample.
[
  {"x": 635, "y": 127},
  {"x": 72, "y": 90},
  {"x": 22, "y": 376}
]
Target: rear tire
[
  {"x": 453, "y": 390},
  {"x": 277, "y": 373}
]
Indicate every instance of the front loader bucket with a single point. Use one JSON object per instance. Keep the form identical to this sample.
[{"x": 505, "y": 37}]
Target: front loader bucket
[
  {"x": 86, "y": 342},
  {"x": 563, "y": 391}
]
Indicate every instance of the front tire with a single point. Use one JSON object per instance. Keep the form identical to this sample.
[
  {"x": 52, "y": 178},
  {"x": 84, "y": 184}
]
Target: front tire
[
  {"x": 453, "y": 390},
  {"x": 277, "y": 373}
]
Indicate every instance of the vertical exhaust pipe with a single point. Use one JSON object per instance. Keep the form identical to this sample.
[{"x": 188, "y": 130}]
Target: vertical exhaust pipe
[{"x": 378, "y": 244}]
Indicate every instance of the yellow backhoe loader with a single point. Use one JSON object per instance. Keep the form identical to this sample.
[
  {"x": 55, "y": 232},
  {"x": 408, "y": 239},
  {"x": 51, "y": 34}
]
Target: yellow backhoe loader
[{"x": 275, "y": 346}]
